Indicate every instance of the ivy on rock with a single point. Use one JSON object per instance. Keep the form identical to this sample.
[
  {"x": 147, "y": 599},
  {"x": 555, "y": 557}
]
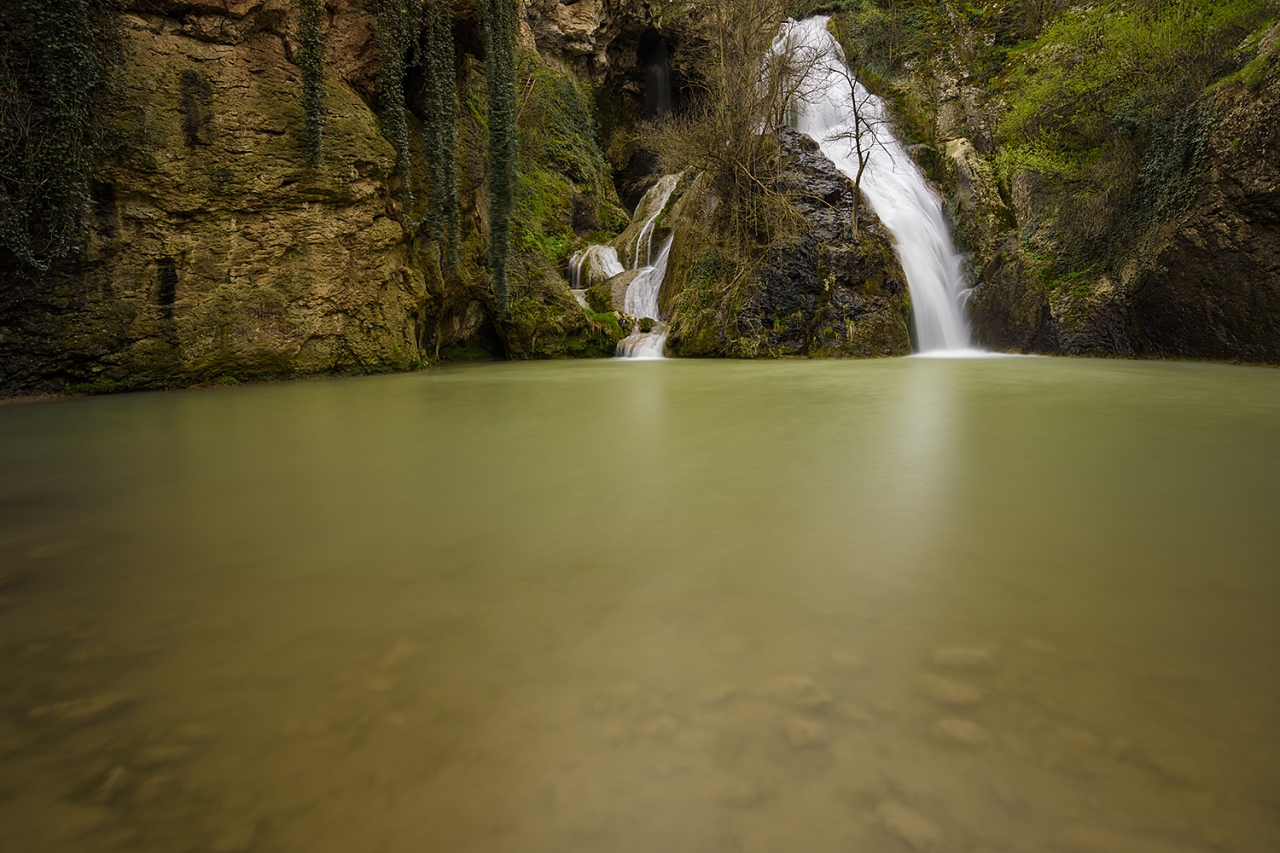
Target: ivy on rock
[
  {"x": 397, "y": 20},
  {"x": 440, "y": 130},
  {"x": 311, "y": 63},
  {"x": 500, "y": 43},
  {"x": 58, "y": 60}
]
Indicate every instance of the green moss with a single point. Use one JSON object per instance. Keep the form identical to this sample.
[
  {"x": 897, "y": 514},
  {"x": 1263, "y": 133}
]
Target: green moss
[
  {"x": 543, "y": 221},
  {"x": 600, "y": 297},
  {"x": 607, "y": 320},
  {"x": 58, "y": 61}
]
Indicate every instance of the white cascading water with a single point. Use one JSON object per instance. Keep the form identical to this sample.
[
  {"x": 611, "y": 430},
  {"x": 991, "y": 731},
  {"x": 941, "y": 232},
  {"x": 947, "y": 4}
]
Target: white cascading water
[
  {"x": 601, "y": 259},
  {"x": 653, "y": 203},
  {"x": 892, "y": 184},
  {"x": 641, "y": 300}
]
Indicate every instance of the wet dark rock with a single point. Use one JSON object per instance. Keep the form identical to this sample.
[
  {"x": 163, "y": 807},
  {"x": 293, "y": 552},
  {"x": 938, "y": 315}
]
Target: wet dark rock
[
  {"x": 824, "y": 293},
  {"x": 821, "y": 292}
]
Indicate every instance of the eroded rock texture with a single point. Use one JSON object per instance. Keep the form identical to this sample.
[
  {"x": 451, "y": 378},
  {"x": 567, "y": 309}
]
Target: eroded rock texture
[{"x": 213, "y": 248}]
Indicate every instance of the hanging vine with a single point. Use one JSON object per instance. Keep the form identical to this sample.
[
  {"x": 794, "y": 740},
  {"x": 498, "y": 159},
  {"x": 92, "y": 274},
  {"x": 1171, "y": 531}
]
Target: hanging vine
[
  {"x": 440, "y": 130},
  {"x": 500, "y": 42},
  {"x": 58, "y": 59},
  {"x": 311, "y": 62},
  {"x": 396, "y": 20}
]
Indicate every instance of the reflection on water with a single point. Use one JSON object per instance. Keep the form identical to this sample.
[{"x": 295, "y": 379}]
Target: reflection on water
[{"x": 1008, "y": 604}]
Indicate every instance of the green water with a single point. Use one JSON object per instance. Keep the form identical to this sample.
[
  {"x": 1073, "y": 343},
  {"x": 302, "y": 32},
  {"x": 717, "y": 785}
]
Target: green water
[{"x": 985, "y": 605}]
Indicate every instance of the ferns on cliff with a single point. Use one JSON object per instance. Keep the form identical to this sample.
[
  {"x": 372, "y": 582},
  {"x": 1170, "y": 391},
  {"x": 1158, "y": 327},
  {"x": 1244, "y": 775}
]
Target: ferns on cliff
[
  {"x": 311, "y": 63},
  {"x": 499, "y": 17},
  {"x": 396, "y": 20},
  {"x": 440, "y": 130},
  {"x": 57, "y": 62}
]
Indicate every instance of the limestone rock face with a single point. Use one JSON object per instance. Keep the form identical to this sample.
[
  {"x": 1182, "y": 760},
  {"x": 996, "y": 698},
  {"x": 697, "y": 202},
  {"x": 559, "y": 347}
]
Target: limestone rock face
[
  {"x": 820, "y": 292},
  {"x": 1208, "y": 284},
  {"x": 214, "y": 248},
  {"x": 1202, "y": 284}
]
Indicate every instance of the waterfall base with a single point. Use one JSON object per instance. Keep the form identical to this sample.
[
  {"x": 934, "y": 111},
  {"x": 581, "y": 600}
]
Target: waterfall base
[{"x": 645, "y": 345}]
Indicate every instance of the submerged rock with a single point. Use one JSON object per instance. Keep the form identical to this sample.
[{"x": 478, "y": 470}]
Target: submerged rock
[
  {"x": 912, "y": 827},
  {"x": 951, "y": 692},
  {"x": 800, "y": 691},
  {"x": 963, "y": 659},
  {"x": 963, "y": 731},
  {"x": 81, "y": 710},
  {"x": 803, "y": 733}
]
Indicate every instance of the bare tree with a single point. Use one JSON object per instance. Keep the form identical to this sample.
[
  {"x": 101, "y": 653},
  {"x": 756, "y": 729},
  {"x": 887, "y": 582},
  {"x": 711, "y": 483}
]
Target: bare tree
[
  {"x": 745, "y": 81},
  {"x": 863, "y": 132}
]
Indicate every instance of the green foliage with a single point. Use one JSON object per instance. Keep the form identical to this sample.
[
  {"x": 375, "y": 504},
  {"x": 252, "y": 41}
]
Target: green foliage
[
  {"x": 558, "y": 132},
  {"x": 881, "y": 36},
  {"x": 564, "y": 184},
  {"x": 500, "y": 25},
  {"x": 397, "y": 30},
  {"x": 1105, "y": 103},
  {"x": 57, "y": 62},
  {"x": 311, "y": 62},
  {"x": 440, "y": 129}
]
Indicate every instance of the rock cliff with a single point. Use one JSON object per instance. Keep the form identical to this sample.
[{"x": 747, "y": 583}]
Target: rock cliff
[
  {"x": 818, "y": 292},
  {"x": 213, "y": 250},
  {"x": 1196, "y": 279}
]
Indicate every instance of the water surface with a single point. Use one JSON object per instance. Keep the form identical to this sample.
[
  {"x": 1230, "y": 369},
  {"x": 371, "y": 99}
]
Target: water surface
[{"x": 1001, "y": 605}]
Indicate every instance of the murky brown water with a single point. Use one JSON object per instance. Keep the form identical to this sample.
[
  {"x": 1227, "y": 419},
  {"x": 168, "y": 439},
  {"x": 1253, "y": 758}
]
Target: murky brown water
[{"x": 1003, "y": 605}]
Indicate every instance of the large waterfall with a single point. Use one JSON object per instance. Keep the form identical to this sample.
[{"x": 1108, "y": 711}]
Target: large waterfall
[{"x": 891, "y": 182}]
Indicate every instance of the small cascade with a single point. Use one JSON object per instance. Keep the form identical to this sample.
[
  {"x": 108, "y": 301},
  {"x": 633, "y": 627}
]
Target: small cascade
[
  {"x": 653, "y": 203},
  {"x": 601, "y": 259},
  {"x": 641, "y": 301},
  {"x": 657, "y": 81},
  {"x": 892, "y": 184}
]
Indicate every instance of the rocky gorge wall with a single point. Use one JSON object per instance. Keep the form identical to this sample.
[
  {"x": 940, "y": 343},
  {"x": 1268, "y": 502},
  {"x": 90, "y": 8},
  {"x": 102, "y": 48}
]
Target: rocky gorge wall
[
  {"x": 213, "y": 250},
  {"x": 1199, "y": 279}
]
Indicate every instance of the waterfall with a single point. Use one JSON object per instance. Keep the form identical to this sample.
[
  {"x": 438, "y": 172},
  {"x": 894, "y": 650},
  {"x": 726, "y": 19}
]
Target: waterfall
[
  {"x": 891, "y": 183},
  {"x": 653, "y": 203},
  {"x": 657, "y": 82},
  {"x": 641, "y": 300},
  {"x": 602, "y": 260},
  {"x": 642, "y": 294}
]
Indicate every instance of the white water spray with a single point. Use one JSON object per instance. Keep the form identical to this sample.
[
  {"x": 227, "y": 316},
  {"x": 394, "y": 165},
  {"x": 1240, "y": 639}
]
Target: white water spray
[
  {"x": 892, "y": 184},
  {"x": 599, "y": 261},
  {"x": 653, "y": 203},
  {"x": 642, "y": 301}
]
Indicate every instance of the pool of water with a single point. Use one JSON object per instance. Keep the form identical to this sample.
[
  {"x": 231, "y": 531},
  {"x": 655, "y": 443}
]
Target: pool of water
[{"x": 901, "y": 605}]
